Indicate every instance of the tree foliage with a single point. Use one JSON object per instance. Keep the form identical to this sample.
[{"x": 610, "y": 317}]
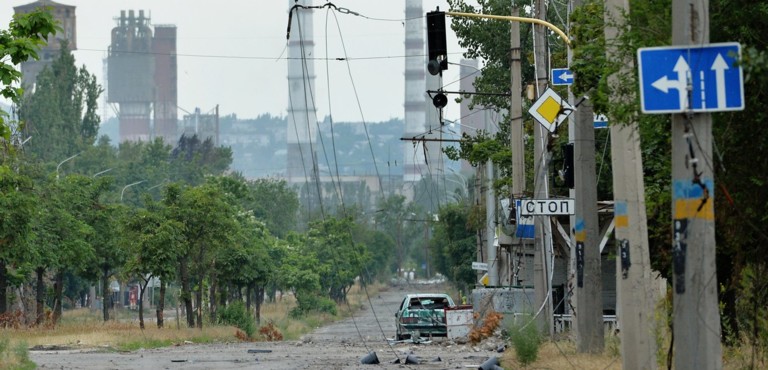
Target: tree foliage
[
  {"x": 60, "y": 114},
  {"x": 20, "y": 42}
]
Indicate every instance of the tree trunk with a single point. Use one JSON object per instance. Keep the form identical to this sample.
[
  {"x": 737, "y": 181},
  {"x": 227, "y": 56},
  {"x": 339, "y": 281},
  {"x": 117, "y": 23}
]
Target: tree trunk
[
  {"x": 248, "y": 290},
  {"x": 58, "y": 291},
  {"x": 199, "y": 305},
  {"x": 40, "y": 296},
  {"x": 3, "y": 287},
  {"x": 142, "y": 288},
  {"x": 105, "y": 297},
  {"x": 186, "y": 293},
  {"x": 259, "y": 301},
  {"x": 212, "y": 296},
  {"x": 160, "y": 304}
]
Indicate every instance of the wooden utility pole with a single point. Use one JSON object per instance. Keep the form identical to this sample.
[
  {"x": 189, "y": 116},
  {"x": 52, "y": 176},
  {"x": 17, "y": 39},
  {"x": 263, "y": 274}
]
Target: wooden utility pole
[
  {"x": 542, "y": 256},
  {"x": 634, "y": 295},
  {"x": 696, "y": 317}
]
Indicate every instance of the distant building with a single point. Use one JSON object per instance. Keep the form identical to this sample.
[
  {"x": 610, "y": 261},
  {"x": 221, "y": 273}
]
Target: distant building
[
  {"x": 205, "y": 126},
  {"x": 301, "y": 161},
  {"x": 65, "y": 16},
  {"x": 142, "y": 78}
]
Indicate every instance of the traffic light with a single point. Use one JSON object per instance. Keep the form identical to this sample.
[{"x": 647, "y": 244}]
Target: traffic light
[
  {"x": 438, "y": 53},
  {"x": 568, "y": 165}
]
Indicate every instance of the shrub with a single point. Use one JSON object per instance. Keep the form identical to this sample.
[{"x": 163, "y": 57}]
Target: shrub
[
  {"x": 308, "y": 302},
  {"x": 236, "y": 315},
  {"x": 489, "y": 324},
  {"x": 525, "y": 340}
]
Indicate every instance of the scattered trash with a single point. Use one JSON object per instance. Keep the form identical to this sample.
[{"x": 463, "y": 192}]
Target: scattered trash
[
  {"x": 370, "y": 359},
  {"x": 259, "y": 351},
  {"x": 411, "y": 359},
  {"x": 490, "y": 364}
]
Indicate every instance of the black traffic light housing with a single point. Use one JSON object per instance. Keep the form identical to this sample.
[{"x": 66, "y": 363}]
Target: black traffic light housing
[
  {"x": 436, "y": 45},
  {"x": 568, "y": 176}
]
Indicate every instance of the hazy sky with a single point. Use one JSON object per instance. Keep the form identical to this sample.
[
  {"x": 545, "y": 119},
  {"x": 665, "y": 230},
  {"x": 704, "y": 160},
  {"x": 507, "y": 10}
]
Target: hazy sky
[{"x": 229, "y": 53}]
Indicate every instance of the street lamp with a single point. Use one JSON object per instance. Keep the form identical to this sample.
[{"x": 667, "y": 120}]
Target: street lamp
[
  {"x": 160, "y": 184},
  {"x": 127, "y": 186},
  {"x": 101, "y": 173},
  {"x": 62, "y": 162}
]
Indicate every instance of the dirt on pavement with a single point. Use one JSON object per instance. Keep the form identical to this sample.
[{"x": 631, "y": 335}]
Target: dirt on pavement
[{"x": 341, "y": 345}]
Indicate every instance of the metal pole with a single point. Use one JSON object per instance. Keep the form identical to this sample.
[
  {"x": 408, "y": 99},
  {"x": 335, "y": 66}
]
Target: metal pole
[
  {"x": 696, "y": 318},
  {"x": 62, "y": 162},
  {"x": 127, "y": 186}
]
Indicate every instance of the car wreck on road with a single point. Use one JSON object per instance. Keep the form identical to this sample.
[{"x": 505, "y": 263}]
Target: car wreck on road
[{"x": 422, "y": 315}]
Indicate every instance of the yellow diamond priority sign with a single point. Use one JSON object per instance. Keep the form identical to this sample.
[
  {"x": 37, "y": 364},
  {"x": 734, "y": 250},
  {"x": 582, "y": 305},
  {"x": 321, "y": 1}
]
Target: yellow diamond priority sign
[{"x": 550, "y": 110}]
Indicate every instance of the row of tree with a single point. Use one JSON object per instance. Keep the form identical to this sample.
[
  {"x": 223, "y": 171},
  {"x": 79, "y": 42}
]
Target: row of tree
[{"x": 76, "y": 210}]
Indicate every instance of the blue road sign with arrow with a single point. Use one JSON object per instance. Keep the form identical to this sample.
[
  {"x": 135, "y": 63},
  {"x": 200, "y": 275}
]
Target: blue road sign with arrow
[
  {"x": 561, "y": 76},
  {"x": 696, "y": 79}
]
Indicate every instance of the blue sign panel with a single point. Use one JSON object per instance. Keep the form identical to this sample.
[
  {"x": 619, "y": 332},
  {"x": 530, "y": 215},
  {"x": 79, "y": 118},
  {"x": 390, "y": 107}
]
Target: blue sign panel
[
  {"x": 561, "y": 76},
  {"x": 696, "y": 79},
  {"x": 600, "y": 121},
  {"x": 524, "y": 223}
]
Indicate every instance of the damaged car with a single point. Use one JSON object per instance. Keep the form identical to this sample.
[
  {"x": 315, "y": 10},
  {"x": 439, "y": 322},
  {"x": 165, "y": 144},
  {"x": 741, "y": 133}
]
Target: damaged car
[{"x": 422, "y": 315}]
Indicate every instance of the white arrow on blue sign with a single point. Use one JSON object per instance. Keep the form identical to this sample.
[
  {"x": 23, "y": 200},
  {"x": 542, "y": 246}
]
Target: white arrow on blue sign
[
  {"x": 561, "y": 76},
  {"x": 696, "y": 79}
]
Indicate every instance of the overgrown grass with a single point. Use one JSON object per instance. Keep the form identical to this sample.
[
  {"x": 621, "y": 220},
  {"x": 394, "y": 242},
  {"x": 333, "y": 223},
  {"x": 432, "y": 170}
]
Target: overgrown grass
[
  {"x": 14, "y": 356},
  {"x": 562, "y": 355},
  {"x": 83, "y": 328}
]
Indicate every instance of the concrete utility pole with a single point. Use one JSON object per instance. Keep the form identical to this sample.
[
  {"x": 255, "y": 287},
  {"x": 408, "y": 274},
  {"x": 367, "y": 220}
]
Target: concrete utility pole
[
  {"x": 516, "y": 109},
  {"x": 589, "y": 286},
  {"x": 516, "y": 143},
  {"x": 696, "y": 316},
  {"x": 634, "y": 296},
  {"x": 542, "y": 256}
]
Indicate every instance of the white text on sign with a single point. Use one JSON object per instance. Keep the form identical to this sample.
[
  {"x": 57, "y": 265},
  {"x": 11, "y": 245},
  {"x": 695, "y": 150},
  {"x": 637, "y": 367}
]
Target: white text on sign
[{"x": 547, "y": 207}]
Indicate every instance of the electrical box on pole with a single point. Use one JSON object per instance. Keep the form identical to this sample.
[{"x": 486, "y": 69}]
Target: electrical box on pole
[{"x": 436, "y": 45}]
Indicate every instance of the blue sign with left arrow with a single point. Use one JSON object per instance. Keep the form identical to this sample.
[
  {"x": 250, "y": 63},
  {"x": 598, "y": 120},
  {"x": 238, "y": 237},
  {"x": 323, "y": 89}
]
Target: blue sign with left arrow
[
  {"x": 691, "y": 79},
  {"x": 561, "y": 76}
]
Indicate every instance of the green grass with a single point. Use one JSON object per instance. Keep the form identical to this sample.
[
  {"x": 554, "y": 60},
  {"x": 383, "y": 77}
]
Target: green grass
[{"x": 15, "y": 356}]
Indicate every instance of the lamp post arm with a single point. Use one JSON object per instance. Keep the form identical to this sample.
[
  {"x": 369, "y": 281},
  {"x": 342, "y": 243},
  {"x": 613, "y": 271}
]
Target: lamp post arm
[
  {"x": 62, "y": 162},
  {"x": 514, "y": 19},
  {"x": 127, "y": 186}
]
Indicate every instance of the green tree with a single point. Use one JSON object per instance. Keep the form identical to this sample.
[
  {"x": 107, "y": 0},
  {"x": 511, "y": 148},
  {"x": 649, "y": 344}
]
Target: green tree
[
  {"x": 17, "y": 212},
  {"x": 156, "y": 241},
  {"x": 392, "y": 219},
  {"x": 25, "y": 35},
  {"x": 454, "y": 244},
  {"x": 340, "y": 258},
  {"x": 192, "y": 159},
  {"x": 65, "y": 233},
  {"x": 61, "y": 112},
  {"x": 209, "y": 225},
  {"x": 275, "y": 203}
]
